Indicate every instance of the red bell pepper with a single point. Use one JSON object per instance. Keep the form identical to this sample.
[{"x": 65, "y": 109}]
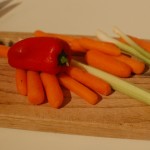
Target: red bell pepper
[{"x": 44, "y": 54}]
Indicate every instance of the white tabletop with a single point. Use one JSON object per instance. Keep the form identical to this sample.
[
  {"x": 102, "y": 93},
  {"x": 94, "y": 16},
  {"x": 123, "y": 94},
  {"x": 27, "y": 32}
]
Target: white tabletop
[{"x": 74, "y": 17}]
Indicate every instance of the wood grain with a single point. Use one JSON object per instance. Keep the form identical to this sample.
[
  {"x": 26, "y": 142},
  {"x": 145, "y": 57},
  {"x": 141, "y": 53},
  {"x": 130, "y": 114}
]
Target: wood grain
[{"x": 116, "y": 116}]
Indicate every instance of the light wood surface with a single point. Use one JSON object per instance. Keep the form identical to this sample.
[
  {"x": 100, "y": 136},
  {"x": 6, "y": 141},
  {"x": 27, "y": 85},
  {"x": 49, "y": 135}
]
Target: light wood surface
[{"x": 116, "y": 116}]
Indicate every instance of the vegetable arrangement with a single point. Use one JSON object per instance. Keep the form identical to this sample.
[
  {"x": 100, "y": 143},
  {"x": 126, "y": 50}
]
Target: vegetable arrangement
[{"x": 46, "y": 62}]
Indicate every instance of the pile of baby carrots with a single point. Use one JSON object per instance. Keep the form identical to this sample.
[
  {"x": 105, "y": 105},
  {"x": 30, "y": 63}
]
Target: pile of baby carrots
[
  {"x": 103, "y": 55},
  {"x": 39, "y": 86}
]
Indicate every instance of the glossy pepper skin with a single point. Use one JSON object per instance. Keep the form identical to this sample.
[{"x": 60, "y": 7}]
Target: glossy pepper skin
[{"x": 44, "y": 54}]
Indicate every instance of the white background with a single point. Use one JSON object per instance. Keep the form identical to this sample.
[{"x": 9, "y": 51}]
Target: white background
[
  {"x": 74, "y": 17},
  {"x": 80, "y": 16}
]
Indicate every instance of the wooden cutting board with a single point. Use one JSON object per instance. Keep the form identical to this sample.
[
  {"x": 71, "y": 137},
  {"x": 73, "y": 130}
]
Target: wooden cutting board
[{"x": 116, "y": 116}]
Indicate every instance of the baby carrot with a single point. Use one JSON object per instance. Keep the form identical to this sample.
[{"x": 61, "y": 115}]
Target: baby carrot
[
  {"x": 105, "y": 47},
  {"x": 3, "y": 50},
  {"x": 137, "y": 66},
  {"x": 107, "y": 63},
  {"x": 141, "y": 42},
  {"x": 71, "y": 40},
  {"x": 35, "y": 89},
  {"x": 53, "y": 90},
  {"x": 93, "y": 82},
  {"x": 61, "y": 36},
  {"x": 75, "y": 46},
  {"x": 79, "y": 89},
  {"x": 145, "y": 44},
  {"x": 21, "y": 81}
]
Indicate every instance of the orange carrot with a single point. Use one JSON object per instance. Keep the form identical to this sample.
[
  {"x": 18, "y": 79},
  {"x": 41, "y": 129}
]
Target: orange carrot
[
  {"x": 141, "y": 42},
  {"x": 145, "y": 44},
  {"x": 3, "y": 50},
  {"x": 89, "y": 80},
  {"x": 61, "y": 36},
  {"x": 35, "y": 89},
  {"x": 105, "y": 47},
  {"x": 79, "y": 89},
  {"x": 71, "y": 40},
  {"x": 21, "y": 81},
  {"x": 137, "y": 66},
  {"x": 107, "y": 63},
  {"x": 53, "y": 90}
]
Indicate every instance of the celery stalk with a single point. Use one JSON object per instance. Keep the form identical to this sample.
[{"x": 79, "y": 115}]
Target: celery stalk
[
  {"x": 124, "y": 47},
  {"x": 117, "y": 84},
  {"x": 131, "y": 42}
]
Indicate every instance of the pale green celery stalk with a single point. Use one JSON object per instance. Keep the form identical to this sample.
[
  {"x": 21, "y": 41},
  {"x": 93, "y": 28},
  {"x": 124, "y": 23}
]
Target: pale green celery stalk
[
  {"x": 117, "y": 83},
  {"x": 131, "y": 42},
  {"x": 124, "y": 47}
]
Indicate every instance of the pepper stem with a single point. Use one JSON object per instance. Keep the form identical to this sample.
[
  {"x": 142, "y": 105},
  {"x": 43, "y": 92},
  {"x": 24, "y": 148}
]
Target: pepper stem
[{"x": 62, "y": 59}]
